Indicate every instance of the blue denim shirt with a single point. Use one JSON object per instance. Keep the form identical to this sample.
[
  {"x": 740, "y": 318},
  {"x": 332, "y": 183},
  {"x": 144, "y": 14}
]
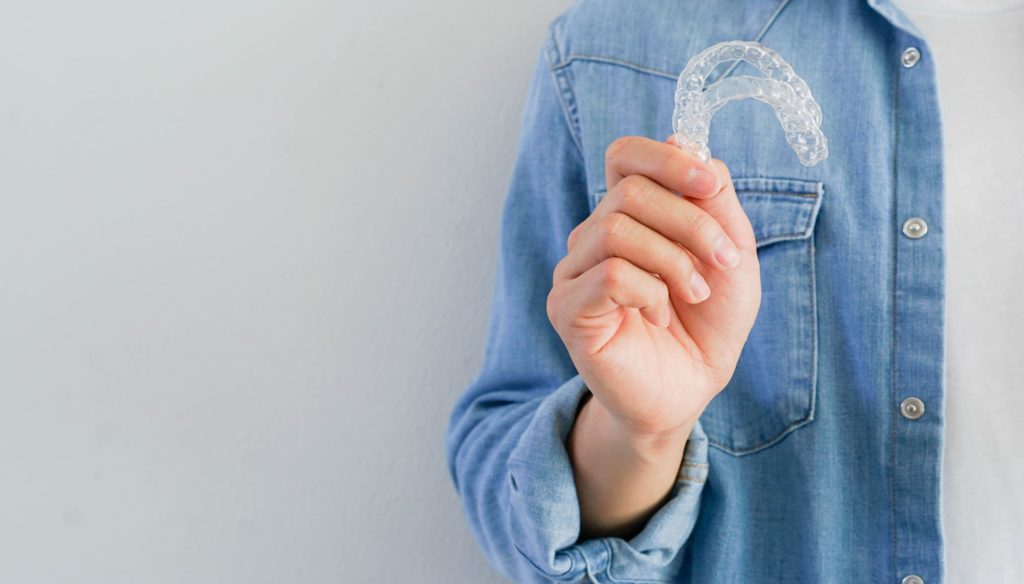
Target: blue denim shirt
[{"x": 803, "y": 469}]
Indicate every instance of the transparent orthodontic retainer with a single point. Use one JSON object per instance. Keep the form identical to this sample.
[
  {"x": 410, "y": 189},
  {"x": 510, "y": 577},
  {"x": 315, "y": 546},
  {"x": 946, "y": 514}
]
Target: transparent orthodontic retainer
[{"x": 780, "y": 88}]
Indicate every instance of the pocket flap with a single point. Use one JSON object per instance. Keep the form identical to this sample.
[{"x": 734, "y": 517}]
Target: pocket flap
[{"x": 779, "y": 208}]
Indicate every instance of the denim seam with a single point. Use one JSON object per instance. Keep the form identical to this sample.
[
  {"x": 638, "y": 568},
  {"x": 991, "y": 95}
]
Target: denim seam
[
  {"x": 613, "y": 61},
  {"x": 566, "y": 97},
  {"x": 781, "y": 237},
  {"x": 754, "y": 178},
  {"x": 809, "y": 415},
  {"x": 773, "y": 178},
  {"x": 804, "y": 233},
  {"x": 658, "y": 72},
  {"x": 894, "y": 334},
  {"x": 773, "y": 193},
  {"x": 814, "y": 315},
  {"x": 757, "y": 38},
  {"x": 611, "y": 561},
  {"x": 572, "y": 564}
]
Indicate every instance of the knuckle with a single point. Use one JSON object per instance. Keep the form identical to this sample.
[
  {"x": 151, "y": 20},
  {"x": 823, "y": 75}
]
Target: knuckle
[
  {"x": 618, "y": 147},
  {"x": 613, "y": 227},
  {"x": 559, "y": 272},
  {"x": 681, "y": 263},
  {"x": 573, "y": 236},
  {"x": 552, "y": 307},
  {"x": 631, "y": 189},
  {"x": 613, "y": 272},
  {"x": 702, "y": 224},
  {"x": 671, "y": 162}
]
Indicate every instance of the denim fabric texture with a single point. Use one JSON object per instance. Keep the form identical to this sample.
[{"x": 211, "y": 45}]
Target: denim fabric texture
[{"x": 803, "y": 468}]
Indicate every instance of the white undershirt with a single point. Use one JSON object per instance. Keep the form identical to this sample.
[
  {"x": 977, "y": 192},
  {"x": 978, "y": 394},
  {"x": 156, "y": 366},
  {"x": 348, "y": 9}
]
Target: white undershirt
[{"x": 978, "y": 48}]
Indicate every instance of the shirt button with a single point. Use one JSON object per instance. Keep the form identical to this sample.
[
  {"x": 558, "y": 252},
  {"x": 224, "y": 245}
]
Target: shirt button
[
  {"x": 910, "y": 57},
  {"x": 912, "y": 408},
  {"x": 915, "y": 228},
  {"x": 913, "y": 579}
]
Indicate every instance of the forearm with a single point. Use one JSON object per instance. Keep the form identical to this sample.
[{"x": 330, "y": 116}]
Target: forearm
[{"x": 621, "y": 480}]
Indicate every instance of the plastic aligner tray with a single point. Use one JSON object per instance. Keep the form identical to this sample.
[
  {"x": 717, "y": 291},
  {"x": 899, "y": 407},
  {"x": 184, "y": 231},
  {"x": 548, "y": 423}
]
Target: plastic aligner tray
[{"x": 781, "y": 88}]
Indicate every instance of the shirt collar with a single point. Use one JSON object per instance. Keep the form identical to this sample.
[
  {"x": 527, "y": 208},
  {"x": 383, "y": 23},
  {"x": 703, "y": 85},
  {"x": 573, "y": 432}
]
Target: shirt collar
[{"x": 895, "y": 16}]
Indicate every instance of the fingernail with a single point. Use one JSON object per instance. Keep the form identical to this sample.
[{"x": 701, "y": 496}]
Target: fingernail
[
  {"x": 726, "y": 253},
  {"x": 702, "y": 181},
  {"x": 699, "y": 287}
]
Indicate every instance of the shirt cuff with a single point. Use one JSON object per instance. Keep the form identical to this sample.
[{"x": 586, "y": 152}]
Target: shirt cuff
[{"x": 545, "y": 513}]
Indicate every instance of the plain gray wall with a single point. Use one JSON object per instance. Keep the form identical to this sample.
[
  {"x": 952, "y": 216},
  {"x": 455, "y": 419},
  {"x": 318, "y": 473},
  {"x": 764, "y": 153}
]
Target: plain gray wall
[{"x": 246, "y": 258}]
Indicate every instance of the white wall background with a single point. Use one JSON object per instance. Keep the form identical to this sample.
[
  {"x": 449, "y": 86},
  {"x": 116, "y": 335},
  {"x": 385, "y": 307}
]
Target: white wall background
[{"x": 246, "y": 258}]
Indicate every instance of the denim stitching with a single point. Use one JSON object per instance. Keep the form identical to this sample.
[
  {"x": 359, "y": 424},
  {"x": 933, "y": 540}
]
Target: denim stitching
[
  {"x": 771, "y": 193},
  {"x": 658, "y": 72},
  {"x": 572, "y": 564},
  {"x": 781, "y": 237},
  {"x": 614, "y": 61},
  {"x": 809, "y": 415},
  {"x": 894, "y": 334},
  {"x": 814, "y": 328},
  {"x": 566, "y": 97},
  {"x": 757, "y": 38},
  {"x": 808, "y": 223},
  {"x": 608, "y": 569},
  {"x": 795, "y": 425},
  {"x": 777, "y": 184}
]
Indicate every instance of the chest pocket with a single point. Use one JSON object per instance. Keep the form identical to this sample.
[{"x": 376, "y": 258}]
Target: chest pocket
[{"x": 772, "y": 391}]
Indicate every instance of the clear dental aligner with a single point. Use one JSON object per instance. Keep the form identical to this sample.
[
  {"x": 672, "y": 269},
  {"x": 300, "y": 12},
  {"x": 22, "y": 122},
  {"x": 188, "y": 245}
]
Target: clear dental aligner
[{"x": 780, "y": 88}]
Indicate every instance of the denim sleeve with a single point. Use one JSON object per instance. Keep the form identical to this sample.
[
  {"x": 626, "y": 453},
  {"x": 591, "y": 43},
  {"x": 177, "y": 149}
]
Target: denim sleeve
[{"x": 505, "y": 443}]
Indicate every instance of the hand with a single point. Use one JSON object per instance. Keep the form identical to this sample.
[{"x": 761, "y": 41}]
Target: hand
[{"x": 651, "y": 342}]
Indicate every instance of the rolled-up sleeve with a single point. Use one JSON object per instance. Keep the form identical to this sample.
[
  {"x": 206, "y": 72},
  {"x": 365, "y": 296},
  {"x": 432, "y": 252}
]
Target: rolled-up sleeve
[{"x": 506, "y": 438}]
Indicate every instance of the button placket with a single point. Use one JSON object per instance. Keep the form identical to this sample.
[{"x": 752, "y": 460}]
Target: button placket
[{"x": 917, "y": 320}]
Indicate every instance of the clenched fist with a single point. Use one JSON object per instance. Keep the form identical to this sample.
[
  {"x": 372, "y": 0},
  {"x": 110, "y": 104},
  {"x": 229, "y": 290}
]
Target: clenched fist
[{"x": 659, "y": 289}]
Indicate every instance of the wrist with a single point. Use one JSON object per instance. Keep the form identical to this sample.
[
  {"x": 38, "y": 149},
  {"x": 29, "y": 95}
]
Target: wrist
[{"x": 639, "y": 444}]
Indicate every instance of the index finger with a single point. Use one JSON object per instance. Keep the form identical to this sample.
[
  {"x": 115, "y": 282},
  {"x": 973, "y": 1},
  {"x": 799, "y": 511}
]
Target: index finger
[{"x": 662, "y": 162}]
